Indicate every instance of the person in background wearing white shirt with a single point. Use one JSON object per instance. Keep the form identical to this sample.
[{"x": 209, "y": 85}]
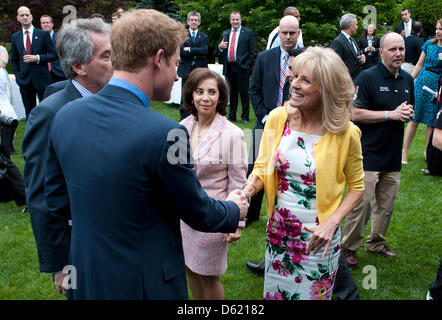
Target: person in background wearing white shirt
[{"x": 274, "y": 40}]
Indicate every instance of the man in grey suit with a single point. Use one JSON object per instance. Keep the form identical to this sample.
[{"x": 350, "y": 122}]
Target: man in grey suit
[{"x": 85, "y": 57}]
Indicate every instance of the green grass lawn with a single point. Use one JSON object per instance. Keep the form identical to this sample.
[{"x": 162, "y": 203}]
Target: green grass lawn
[{"x": 414, "y": 234}]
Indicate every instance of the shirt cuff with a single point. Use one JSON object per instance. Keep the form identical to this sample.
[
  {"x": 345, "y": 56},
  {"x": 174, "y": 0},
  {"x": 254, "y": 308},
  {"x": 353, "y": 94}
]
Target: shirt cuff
[{"x": 263, "y": 121}]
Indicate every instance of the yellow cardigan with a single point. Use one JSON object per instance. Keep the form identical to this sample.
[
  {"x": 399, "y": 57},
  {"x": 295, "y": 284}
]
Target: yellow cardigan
[{"x": 338, "y": 161}]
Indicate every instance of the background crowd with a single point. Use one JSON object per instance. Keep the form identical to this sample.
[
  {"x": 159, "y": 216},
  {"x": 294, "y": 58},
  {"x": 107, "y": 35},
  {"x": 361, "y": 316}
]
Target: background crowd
[{"x": 309, "y": 94}]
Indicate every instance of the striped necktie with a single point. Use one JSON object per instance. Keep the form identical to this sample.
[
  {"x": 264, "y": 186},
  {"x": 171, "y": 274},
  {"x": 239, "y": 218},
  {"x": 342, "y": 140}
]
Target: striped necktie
[{"x": 282, "y": 76}]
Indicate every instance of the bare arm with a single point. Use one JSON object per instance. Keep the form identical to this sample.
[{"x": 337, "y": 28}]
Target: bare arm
[
  {"x": 403, "y": 112},
  {"x": 323, "y": 233},
  {"x": 419, "y": 65}
]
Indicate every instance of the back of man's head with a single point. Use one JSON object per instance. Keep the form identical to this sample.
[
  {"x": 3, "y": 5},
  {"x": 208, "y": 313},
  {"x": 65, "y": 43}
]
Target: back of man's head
[
  {"x": 139, "y": 34},
  {"x": 291, "y": 11},
  {"x": 416, "y": 27},
  {"x": 74, "y": 44}
]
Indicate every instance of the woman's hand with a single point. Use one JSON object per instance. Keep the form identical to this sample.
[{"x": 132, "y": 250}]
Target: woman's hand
[
  {"x": 233, "y": 237},
  {"x": 322, "y": 235}
]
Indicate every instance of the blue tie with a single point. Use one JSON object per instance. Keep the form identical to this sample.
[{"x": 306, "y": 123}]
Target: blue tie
[{"x": 193, "y": 36}]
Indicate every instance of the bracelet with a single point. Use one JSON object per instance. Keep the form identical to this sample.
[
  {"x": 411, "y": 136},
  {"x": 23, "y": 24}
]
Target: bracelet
[
  {"x": 254, "y": 187},
  {"x": 386, "y": 115}
]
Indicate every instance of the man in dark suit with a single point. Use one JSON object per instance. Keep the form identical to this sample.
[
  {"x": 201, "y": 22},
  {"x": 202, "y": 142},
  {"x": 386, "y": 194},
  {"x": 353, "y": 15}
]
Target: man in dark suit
[
  {"x": 346, "y": 47},
  {"x": 413, "y": 44},
  {"x": 237, "y": 50},
  {"x": 266, "y": 92},
  {"x": 193, "y": 51},
  {"x": 124, "y": 173},
  {"x": 31, "y": 50},
  {"x": 54, "y": 67},
  {"x": 405, "y": 28},
  {"x": 78, "y": 63}
]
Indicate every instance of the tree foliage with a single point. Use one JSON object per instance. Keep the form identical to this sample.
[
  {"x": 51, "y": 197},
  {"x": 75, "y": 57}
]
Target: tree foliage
[
  {"x": 319, "y": 18},
  {"x": 54, "y": 8},
  {"x": 427, "y": 12}
]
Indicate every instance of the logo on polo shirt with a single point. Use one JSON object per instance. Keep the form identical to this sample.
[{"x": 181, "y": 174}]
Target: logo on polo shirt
[{"x": 384, "y": 89}]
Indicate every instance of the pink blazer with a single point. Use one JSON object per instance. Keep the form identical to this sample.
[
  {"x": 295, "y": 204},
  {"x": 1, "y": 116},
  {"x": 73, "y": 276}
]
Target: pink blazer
[{"x": 220, "y": 158}]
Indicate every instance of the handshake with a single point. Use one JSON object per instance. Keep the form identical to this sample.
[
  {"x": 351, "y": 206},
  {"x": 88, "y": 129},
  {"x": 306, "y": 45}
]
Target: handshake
[{"x": 242, "y": 200}]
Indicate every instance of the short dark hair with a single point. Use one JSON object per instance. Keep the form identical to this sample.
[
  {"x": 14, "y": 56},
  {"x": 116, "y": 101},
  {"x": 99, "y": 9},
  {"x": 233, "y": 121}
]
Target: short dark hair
[
  {"x": 416, "y": 27},
  {"x": 195, "y": 77}
]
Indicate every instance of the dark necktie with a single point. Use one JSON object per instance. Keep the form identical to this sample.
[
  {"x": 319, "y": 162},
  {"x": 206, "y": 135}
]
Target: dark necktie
[
  {"x": 193, "y": 36},
  {"x": 286, "y": 90}
]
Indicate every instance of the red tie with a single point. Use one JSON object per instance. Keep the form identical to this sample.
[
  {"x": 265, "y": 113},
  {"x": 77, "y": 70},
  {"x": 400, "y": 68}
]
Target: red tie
[
  {"x": 28, "y": 43},
  {"x": 232, "y": 46}
]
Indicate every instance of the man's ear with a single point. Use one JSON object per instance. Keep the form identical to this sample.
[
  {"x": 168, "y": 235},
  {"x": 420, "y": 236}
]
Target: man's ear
[
  {"x": 79, "y": 68},
  {"x": 159, "y": 58}
]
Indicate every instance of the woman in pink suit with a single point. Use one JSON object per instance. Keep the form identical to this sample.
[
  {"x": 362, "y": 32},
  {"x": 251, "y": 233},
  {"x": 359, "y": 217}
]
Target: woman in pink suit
[{"x": 219, "y": 152}]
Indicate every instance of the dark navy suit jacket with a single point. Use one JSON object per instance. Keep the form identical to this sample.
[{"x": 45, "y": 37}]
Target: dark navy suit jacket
[
  {"x": 56, "y": 66},
  {"x": 347, "y": 53},
  {"x": 112, "y": 162},
  {"x": 35, "y": 73},
  {"x": 47, "y": 229},
  {"x": 198, "y": 53},
  {"x": 264, "y": 87}
]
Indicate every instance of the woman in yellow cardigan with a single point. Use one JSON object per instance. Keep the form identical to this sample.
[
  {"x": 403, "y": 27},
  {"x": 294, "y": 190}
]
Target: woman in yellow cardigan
[{"x": 309, "y": 151}]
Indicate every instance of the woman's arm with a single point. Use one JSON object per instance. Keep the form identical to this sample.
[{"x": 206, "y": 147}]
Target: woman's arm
[
  {"x": 418, "y": 67},
  {"x": 323, "y": 233}
]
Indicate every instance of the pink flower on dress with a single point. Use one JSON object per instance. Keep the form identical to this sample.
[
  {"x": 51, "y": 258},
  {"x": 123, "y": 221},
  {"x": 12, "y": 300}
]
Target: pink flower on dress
[
  {"x": 291, "y": 222},
  {"x": 287, "y": 130},
  {"x": 275, "y": 231},
  {"x": 276, "y": 296},
  {"x": 281, "y": 268},
  {"x": 301, "y": 143},
  {"x": 296, "y": 251},
  {"x": 281, "y": 162},
  {"x": 321, "y": 290},
  {"x": 283, "y": 183},
  {"x": 309, "y": 179},
  {"x": 298, "y": 279}
]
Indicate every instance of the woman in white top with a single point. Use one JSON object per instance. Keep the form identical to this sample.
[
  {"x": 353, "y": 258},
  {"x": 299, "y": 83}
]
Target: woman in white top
[{"x": 5, "y": 86}]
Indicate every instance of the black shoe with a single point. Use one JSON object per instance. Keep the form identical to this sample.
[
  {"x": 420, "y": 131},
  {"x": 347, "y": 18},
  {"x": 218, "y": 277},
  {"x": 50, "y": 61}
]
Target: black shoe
[
  {"x": 231, "y": 120},
  {"x": 256, "y": 268}
]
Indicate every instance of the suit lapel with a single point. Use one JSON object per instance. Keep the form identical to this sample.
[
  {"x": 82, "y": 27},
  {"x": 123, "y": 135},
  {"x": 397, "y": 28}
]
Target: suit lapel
[
  {"x": 276, "y": 65},
  {"x": 349, "y": 45}
]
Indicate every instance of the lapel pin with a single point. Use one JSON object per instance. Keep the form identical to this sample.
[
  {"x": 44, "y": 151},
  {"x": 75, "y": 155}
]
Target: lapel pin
[{"x": 36, "y": 37}]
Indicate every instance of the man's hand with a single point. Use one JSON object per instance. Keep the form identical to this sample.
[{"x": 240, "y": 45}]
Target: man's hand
[
  {"x": 403, "y": 113},
  {"x": 30, "y": 58},
  {"x": 58, "y": 281},
  {"x": 241, "y": 201},
  {"x": 361, "y": 58},
  {"x": 223, "y": 44}
]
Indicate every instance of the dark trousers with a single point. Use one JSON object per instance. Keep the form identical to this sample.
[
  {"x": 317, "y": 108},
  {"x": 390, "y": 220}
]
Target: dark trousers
[
  {"x": 28, "y": 95},
  {"x": 436, "y": 286},
  {"x": 13, "y": 187},
  {"x": 256, "y": 201},
  {"x": 183, "y": 114},
  {"x": 344, "y": 287},
  {"x": 238, "y": 80}
]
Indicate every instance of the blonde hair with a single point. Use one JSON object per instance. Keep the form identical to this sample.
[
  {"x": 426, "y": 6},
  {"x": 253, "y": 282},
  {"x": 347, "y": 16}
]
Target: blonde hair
[
  {"x": 139, "y": 34},
  {"x": 336, "y": 86}
]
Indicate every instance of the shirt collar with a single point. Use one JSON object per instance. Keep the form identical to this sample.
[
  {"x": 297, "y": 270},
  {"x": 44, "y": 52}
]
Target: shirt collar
[
  {"x": 83, "y": 91},
  {"x": 346, "y": 35},
  {"x": 387, "y": 74},
  {"x": 239, "y": 29},
  {"x": 129, "y": 86},
  {"x": 31, "y": 30}
]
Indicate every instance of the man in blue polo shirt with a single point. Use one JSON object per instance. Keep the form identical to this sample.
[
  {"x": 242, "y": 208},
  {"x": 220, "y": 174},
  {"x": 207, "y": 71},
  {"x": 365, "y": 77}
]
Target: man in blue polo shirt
[{"x": 384, "y": 103}]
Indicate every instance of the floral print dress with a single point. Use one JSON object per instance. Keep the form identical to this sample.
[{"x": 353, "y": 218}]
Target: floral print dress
[{"x": 290, "y": 272}]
